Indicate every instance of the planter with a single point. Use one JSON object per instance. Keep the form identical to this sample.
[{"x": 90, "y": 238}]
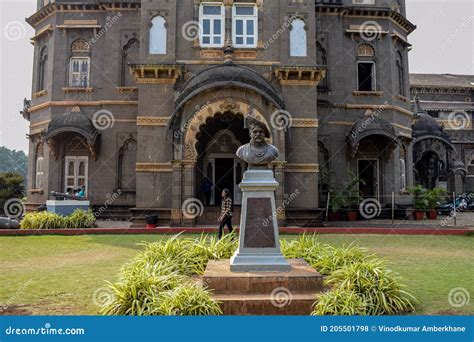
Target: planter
[
  {"x": 418, "y": 215},
  {"x": 432, "y": 215},
  {"x": 333, "y": 217},
  {"x": 151, "y": 221},
  {"x": 352, "y": 216}
]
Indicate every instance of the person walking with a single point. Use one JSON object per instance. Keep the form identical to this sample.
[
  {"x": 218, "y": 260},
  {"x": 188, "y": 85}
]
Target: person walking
[{"x": 225, "y": 218}]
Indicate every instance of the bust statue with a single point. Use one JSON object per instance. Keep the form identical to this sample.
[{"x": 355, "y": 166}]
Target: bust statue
[{"x": 258, "y": 153}]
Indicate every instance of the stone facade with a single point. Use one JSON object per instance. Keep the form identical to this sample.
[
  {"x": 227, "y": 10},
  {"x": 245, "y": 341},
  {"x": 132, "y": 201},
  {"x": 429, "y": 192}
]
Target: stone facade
[{"x": 319, "y": 73}]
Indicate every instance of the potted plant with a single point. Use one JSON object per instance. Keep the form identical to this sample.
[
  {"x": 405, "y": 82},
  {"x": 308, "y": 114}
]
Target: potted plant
[
  {"x": 336, "y": 202},
  {"x": 420, "y": 201},
  {"x": 352, "y": 196},
  {"x": 433, "y": 197}
]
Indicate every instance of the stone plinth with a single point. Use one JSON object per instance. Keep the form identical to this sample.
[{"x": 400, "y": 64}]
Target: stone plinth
[
  {"x": 259, "y": 245},
  {"x": 264, "y": 293}
]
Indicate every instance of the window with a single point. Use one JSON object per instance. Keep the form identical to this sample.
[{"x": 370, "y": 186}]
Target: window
[
  {"x": 39, "y": 173},
  {"x": 43, "y": 59},
  {"x": 403, "y": 177},
  {"x": 158, "y": 36},
  {"x": 298, "y": 39},
  {"x": 211, "y": 24},
  {"x": 401, "y": 75},
  {"x": 244, "y": 26},
  {"x": 79, "y": 72},
  {"x": 76, "y": 173},
  {"x": 365, "y": 76}
]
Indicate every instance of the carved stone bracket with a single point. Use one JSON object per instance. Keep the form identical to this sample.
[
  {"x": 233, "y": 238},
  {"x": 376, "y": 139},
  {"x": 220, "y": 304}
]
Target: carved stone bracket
[
  {"x": 299, "y": 75},
  {"x": 156, "y": 73}
]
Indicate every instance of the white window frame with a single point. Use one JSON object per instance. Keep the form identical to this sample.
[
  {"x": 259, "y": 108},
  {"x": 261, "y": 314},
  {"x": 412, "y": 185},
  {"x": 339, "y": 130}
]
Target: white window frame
[
  {"x": 72, "y": 73},
  {"x": 374, "y": 74},
  {"x": 245, "y": 18},
  {"x": 76, "y": 177},
  {"x": 211, "y": 18},
  {"x": 39, "y": 172}
]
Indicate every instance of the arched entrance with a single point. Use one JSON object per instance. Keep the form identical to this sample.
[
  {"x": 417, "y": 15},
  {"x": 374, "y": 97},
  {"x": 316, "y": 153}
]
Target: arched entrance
[{"x": 217, "y": 143}]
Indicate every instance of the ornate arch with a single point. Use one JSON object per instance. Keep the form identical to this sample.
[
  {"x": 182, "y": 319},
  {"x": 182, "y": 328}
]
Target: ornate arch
[{"x": 236, "y": 107}]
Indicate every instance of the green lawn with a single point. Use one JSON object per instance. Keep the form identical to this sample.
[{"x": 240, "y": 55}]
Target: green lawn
[{"x": 58, "y": 275}]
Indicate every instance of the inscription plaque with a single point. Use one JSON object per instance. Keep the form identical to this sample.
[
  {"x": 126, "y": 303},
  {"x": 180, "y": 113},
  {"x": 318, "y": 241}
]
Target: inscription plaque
[{"x": 259, "y": 230}]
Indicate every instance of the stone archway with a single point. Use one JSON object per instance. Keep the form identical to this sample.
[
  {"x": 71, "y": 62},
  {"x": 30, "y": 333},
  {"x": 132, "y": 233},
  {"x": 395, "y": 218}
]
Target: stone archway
[{"x": 235, "y": 107}]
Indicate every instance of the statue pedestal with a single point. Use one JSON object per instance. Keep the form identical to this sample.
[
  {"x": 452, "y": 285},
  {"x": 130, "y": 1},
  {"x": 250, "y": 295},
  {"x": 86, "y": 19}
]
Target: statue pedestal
[{"x": 259, "y": 245}]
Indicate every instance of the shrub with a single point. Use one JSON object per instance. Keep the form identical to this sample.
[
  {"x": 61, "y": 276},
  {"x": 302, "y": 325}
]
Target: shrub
[
  {"x": 11, "y": 186},
  {"x": 188, "y": 300},
  {"x": 380, "y": 288},
  {"x": 47, "y": 220},
  {"x": 339, "y": 302}
]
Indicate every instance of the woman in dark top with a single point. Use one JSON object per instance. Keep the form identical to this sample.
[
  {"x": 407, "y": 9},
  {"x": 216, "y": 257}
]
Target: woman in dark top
[{"x": 225, "y": 218}]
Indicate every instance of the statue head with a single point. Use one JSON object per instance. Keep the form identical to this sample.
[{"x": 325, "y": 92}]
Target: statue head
[{"x": 258, "y": 132}]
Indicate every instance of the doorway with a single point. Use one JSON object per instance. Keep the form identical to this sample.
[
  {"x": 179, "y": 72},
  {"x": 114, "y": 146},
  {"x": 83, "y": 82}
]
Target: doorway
[
  {"x": 368, "y": 171},
  {"x": 224, "y": 177}
]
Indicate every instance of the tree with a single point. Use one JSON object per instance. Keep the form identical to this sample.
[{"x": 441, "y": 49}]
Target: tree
[
  {"x": 11, "y": 186},
  {"x": 13, "y": 161}
]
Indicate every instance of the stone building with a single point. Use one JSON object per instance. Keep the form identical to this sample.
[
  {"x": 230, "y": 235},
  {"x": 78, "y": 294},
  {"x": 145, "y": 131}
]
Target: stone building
[
  {"x": 149, "y": 98},
  {"x": 444, "y": 138}
]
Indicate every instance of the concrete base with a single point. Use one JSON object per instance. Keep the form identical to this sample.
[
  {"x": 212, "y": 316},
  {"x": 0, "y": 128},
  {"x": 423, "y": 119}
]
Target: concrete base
[
  {"x": 66, "y": 207},
  {"x": 263, "y": 293},
  {"x": 257, "y": 262}
]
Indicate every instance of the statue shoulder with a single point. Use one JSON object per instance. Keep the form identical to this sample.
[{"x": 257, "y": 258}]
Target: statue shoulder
[
  {"x": 274, "y": 150},
  {"x": 241, "y": 150}
]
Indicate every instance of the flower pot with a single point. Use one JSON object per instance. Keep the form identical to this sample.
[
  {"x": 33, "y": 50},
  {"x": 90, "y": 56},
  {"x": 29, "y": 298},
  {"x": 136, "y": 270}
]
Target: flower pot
[
  {"x": 432, "y": 215},
  {"x": 333, "y": 217},
  {"x": 352, "y": 216},
  {"x": 418, "y": 215},
  {"x": 151, "y": 221}
]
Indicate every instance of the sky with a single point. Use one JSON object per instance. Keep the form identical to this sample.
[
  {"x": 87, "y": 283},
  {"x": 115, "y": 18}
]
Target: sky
[{"x": 443, "y": 43}]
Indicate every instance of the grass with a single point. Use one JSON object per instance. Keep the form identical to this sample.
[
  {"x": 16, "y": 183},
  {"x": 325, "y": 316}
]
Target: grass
[{"x": 51, "y": 275}]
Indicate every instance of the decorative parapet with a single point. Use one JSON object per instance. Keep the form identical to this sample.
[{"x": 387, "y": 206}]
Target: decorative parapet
[
  {"x": 41, "y": 32},
  {"x": 39, "y": 94},
  {"x": 79, "y": 24},
  {"x": 152, "y": 121},
  {"x": 298, "y": 75},
  {"x": 156, "y": 73}
]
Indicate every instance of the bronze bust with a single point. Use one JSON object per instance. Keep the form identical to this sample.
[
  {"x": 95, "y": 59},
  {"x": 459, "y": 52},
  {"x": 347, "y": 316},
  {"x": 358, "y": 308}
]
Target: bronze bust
[{"x": 258, "y": 153}]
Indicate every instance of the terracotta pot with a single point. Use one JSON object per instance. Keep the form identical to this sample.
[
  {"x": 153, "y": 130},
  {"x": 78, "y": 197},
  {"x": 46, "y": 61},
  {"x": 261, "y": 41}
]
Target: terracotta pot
[
  {"x": 418, "y": 215},
  {"x": 352, "y": 216},
  {"x": 432, "y": 215},
  {"x": 333, "y": 217}
]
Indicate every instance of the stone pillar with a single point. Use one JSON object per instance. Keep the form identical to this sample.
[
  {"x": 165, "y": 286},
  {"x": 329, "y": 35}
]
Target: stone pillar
[
  {"x": 259, "y": 245},
  {"x": 176, "y": 213},
  {"x": 279, "y": 167},
  {"x": 191, "y": 207}
]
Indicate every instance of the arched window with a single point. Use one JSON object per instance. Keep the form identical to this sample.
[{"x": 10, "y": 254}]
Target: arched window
[
  {"x": 322, "y": 60},
  {"x": 79, "y": 64},
  {"x": 130, "y": 54},
  {"x": 42, "y": 65},
  {"x": 127, "y": 159},
  {"x": 158, "y": 34},
  {"x": 366, "y": 78},
  {"x": 39, "y": 166},
  {"x": 298, "y": 39},
  {"x": 401, "y": 74}
]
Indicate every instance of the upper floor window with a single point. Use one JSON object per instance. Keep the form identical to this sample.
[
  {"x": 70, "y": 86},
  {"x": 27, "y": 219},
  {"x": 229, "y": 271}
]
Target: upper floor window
[
  {"x": 245, "y": 26},
  {"x": 79, "y": 72},
  {"x": 42, "y": 64},
  {"x": 211, "y": 22},
  {"x": 298, "y": 39},
  {"x": 366, "y": 78},
  {"x": 158, "y": 36}
]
